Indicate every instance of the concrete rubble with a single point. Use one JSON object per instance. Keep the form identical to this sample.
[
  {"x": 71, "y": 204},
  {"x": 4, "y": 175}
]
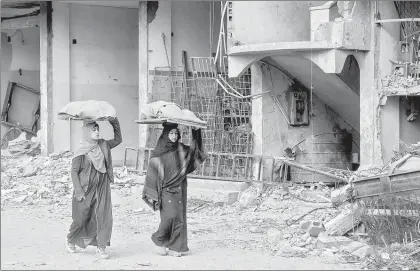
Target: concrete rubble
[
  {"x": 294, "y": 221},
  {"x": 21, "y": 145},
  {"x": 346, "y": 232}
]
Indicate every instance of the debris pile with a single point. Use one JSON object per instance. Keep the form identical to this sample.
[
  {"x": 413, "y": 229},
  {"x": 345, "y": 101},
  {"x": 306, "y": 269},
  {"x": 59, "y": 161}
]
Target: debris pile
[
  {"x": 405, "y": 152},
  {"x": 394, "y": 82},
  {"x": 348, "y": 225},
  {"x": 27, "y": 178},
  {"x": 21, "y": 145},
  {"x": 36, "y": 179},
  {"x": 394, "y": 257}
]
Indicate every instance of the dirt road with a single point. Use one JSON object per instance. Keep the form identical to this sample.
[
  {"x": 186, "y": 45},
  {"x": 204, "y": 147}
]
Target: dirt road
[{"x": 32, "y": 237}]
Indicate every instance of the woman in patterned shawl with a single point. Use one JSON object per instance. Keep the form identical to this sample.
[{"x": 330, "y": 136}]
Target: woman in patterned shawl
[{"x": 165, "y": 187}]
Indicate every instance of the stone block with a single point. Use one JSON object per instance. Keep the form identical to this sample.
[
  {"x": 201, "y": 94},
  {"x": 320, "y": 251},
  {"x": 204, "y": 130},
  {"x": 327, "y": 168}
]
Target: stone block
[
  {"x": 341, "y": 195},
  {"x": 326, "y": 241},
  {"x": 353, "y": 246},
  {"x": 304, "y": 225},
  {"x": 363, "y": 252},
  {"x": 292, "y": 251},
  {"x": 4, "y": 177},
  {"x": 30, "y": 171},
  {"x": 217, "y": 196},
  {"x": 272, "y": 203},
  {"x": 274, "y": 236},
  {"x": 315, "y": 228},
  {"x": 247, "y": 199}
]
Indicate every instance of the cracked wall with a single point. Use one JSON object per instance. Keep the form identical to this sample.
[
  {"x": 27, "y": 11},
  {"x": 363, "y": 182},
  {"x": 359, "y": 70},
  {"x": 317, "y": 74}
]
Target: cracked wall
[
  {"x": 25, "y": 56},
  {"x": 255, "y": 22},
  {"x": 104, "y": 66},
  {"x": 277, "y": 135}
]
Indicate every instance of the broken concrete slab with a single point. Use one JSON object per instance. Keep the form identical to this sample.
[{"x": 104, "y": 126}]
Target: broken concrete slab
[
  {"x": 313, "y": 194},
  {"x": 345, "y": 221},
  {"x": 247, "y": 199},
  {"x": 363, "y": 252},
  {"x": 30, "y": 171},
  {"x": 272, "y": 203},
  {"x": 329, "y": 254},
  {"x": 314, "y": 228},
  {"x": 20, "y": 199},
  {"x": 5, "y": 192},
  {"x": 341, "y": 195},
  {"x": 294, "y": 251},
  {"x": 411, "y": 164},
  {"x": 274, "y": 236},
  {"x": 353, "y": 246},
  {"x": 304, "y": 225},
  {"x": 5, "y": 177},
  {"x": 326, "y": 241},
  {"x": 216, "y": 196},
  {"x": 217, "y": 185}
]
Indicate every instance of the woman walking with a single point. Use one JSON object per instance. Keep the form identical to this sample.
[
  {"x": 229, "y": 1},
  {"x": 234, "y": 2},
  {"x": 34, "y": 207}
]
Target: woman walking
[
  {"x": 165, "y": 187},
  {"x": 92, "y": 173}
]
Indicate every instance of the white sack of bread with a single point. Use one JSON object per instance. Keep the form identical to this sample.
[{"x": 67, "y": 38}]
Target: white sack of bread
[
  {"x": 91, "y": 109},
  {"x": 189, "y": 115},
  {"x": 161, "y": 109}
]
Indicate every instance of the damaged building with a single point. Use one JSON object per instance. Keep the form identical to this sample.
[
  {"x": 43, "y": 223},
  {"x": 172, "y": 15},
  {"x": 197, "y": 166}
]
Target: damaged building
[
  {"x": 315, "y": 93},
  {"x": 335, "y": 84}
]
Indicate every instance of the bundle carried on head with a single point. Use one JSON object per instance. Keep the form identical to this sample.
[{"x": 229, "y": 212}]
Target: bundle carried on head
[
  {"x": 172, "y": 112},
  {"x": 87, "y": 110}
]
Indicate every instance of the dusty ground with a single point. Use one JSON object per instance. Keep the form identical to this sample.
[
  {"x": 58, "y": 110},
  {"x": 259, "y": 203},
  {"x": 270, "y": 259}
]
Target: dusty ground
[
  {"x": 250, "y": 234},
  {"x": 32, "y": 237}
]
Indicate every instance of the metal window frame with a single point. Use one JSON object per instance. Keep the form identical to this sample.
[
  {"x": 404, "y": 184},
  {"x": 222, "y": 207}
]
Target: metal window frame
[{"x": 8, "y": 102}]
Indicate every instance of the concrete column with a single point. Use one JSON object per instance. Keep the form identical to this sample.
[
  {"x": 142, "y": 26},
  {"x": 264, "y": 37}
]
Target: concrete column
[
  {"x": 45, "y": 29},
  {"x": 143, "y": 74},
  {"x": 1, "y": 105},
  {"x": 390, "y": 123},
  {"x": 370, "y": 145},
  {"x": 257, "y": 110},
  {"x": 61, "y": 73}
]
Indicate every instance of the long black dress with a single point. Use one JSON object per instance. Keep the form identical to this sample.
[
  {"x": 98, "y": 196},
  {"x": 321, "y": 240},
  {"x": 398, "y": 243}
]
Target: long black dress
[{"x": 166, "y": 190}]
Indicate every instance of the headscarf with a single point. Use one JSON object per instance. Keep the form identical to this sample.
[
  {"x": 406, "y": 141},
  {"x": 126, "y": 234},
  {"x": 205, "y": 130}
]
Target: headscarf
[
  {"x": 164, "y": 144},
  {"x": 90, "y": 146}
]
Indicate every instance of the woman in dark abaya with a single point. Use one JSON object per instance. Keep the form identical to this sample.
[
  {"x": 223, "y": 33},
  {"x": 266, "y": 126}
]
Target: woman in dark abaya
[
  {"x": 165, "y": 187},
  {"x": 91, "y": 174}
]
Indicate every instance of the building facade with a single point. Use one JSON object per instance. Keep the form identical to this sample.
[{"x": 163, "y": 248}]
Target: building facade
[{"x": 315, "y": 71}]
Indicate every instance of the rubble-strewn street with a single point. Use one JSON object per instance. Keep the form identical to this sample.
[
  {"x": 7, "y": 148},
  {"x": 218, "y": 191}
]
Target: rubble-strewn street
[
  {"x": 297, "y": 124},
  {"x": 265, "y": 224}
]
